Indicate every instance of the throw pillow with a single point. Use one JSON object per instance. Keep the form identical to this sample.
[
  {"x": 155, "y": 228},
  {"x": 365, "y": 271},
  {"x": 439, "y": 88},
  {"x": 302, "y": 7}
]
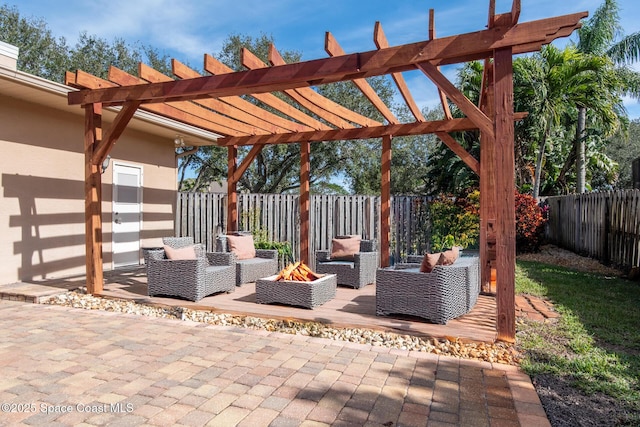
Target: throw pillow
[
  {"x": 429, "y": 261},
  {"x": 242, "y": 246},
  {"x": 345, "y": 248},
  {"x": 187, "y": 252},
  {"x": 449, "y": 257}
]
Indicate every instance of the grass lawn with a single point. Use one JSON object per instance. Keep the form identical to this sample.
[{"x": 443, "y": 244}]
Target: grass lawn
[{"x": 595, "y": 344}]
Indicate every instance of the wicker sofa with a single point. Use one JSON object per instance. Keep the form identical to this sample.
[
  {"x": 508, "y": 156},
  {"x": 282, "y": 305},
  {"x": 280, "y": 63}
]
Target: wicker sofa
[
  {"x": 357, "y": 273},
  {"x": 264, "y": 264},
  {"x": 192, "y": 279},
  {"x": 444, "y": 294}
]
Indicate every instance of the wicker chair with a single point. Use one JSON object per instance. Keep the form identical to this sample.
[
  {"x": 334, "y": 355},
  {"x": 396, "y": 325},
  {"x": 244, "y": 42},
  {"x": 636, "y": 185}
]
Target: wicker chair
[
  {"x": 445, "y": 293},
  {"x": 264, "y": 264},
  {"x": 357, "y": 273},
  {"x": 192, "y": 279}
]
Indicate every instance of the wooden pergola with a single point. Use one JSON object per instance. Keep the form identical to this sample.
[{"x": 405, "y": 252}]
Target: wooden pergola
[{"x": 214, "y": 103}]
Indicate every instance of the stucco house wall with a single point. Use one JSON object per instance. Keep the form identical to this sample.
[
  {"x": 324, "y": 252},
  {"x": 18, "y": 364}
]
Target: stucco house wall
[{"x": 42, "y": 220}]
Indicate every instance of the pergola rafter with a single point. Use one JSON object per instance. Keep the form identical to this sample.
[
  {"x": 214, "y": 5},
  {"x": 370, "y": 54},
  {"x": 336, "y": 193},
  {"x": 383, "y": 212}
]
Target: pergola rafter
[
  {"x": 260, "y": 115},
  {"x": 215, "y": 67},
  {"x": 332, "y": 47},
  {"x": 333, "y": 113},
  {"x": 214, "y": 103},
  {"x": 380, "y": 39},
  {"x": 221, "y": 106}
]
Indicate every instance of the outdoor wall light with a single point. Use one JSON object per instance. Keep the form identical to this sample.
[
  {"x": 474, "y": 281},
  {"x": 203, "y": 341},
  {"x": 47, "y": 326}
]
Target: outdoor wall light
[
  {"x": 179, "y": 141},
  {"x": 105, "y": 163}
]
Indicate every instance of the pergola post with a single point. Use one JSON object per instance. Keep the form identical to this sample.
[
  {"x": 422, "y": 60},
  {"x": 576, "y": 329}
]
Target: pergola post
[
  {"x": 305, "y": 148},
  {"x": 505, "y": 187},
  {"x": 93, "y": 198},
  {"x": 232, "y": 186},
  {"x": 385, "y": 201},
  {"x": 487, "y": 184}
]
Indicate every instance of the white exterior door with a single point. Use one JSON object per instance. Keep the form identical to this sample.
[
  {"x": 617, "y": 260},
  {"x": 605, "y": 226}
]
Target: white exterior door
[{"x": 127, "y": 214}]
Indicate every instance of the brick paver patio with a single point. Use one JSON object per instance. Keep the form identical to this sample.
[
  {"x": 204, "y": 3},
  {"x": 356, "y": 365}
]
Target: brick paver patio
[{"x": 64, "y": 366}]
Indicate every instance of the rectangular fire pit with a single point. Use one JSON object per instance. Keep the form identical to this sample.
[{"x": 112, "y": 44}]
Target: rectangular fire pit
[{"x": 302, "y": 294}]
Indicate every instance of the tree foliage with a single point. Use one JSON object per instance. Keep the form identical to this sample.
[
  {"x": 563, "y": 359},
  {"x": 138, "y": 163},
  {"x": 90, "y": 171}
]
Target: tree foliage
[
  {"x": 623, "y": 149},
  {"x": 47, "y": 56},
  {"x": 597, "y": 37},
  {"x": 570, "y": 81},
  {"x": 550, "y": 86},
  {"x": 41, "y": 53},
  {"x": 455, "y": 221}
]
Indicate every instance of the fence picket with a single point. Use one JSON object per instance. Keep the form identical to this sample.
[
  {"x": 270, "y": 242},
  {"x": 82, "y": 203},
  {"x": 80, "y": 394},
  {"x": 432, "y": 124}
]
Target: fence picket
[
  {"x": 604, "y": 225},
  {"x": 204, "y": 216}
]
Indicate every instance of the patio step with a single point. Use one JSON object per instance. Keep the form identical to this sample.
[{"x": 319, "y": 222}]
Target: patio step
[{"x": 29, "y": 292}]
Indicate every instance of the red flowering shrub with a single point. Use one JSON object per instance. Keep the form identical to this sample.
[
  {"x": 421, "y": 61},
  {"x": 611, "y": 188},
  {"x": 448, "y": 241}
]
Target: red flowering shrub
[{"x": 530, "y": 220}]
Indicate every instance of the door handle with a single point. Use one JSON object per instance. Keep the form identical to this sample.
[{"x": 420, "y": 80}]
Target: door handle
[{"x": 117, "y": 221}]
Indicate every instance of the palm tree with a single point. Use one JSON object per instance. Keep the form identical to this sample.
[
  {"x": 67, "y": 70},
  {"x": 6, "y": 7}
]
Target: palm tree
[
  {"x": 598, "y": 37},
  {"x": 563, "y": 79},
  {"x": 549, "y": 85}
]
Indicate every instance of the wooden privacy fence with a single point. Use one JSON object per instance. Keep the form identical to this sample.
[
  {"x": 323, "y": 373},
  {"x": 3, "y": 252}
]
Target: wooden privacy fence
[
  {"x": 603, "y": 225},
  {"x": 277, "y": 218}
]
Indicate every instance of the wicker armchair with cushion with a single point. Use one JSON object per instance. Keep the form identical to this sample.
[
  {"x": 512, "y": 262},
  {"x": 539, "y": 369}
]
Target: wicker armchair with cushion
[
  {"x": 442, "y": 294},
  {"x": 182, "y": 269},
  {"x": 352, "y": 260},
  {"x": 251, "y": 263}
]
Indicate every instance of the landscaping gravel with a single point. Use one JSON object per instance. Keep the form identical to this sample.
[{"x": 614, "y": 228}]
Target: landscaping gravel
[{"x": 494, "y": 353}]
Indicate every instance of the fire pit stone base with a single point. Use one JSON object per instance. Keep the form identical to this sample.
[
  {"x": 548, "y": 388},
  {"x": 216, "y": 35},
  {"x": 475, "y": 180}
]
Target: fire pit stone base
[{"x": 303, "y": 294}]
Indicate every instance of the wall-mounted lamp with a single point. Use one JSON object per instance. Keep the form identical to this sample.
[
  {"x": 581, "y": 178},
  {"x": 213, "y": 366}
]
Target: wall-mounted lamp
[
  {"x": 178, "y": 141},
  {"x": 105, "y": 163}
]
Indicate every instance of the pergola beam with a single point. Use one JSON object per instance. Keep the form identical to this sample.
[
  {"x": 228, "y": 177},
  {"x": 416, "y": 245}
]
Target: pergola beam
[
  {"x": 115, "y": 131},
  {"x": 487, "y": 184},
  {"x": 232, "y": 189},
  {"x": 521, "y": 38},
  {"x": 246, "y": 162},
  {"x": 305, "y": 200},
  {"x": 505, "y": 188},
  {"x": 85, "y": 80},
  {"x": 404, "y": 129},
  {"x": 385, "y": 200},
  {"x": 467, "y": 107},
  {"x": 516, "y": 7},
  {"x": 464, "y": 155},
  {"x": 93, "y": 199},
  {"x": 441, "y": 94}
]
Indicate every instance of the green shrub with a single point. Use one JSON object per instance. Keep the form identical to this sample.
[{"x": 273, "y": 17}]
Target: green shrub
[
  {"x": 251, "y": 219},
  {"x": 285, "y": 252},
  {"x": 455, "y": 221}
]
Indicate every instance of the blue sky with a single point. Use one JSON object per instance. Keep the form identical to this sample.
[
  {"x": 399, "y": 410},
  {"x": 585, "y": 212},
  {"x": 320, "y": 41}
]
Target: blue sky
[{"x": 187, "y": 29}]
